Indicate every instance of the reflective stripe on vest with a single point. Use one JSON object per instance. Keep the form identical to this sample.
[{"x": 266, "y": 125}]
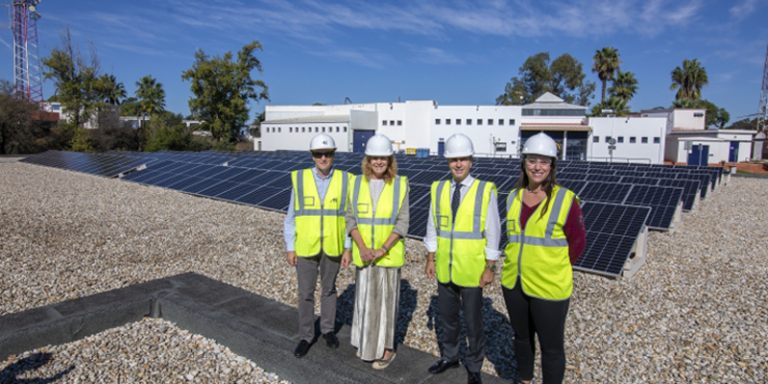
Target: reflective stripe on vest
[
  {"x": 460, "y": 256},
  {"x": 539, "y": 255},
  {"x": 375, "y": 227},
  {"x": 319, "y": 224}
]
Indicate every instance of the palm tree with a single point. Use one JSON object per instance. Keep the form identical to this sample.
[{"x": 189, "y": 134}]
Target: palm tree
[
  {"x": 690, "y": 79},
  {"x": 151, "y": 101},
  {"x": 109, "y": 90},
  {"x": 151, "y": 95},
  {"x": 624, "y": 86},
  {"x": 606, "y": 62},
  {"x": 686, "y": 103}
]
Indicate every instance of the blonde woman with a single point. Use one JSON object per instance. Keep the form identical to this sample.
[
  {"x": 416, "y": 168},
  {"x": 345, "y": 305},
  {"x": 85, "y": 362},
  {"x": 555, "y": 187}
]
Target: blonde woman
[{"x": 377, "y": 221}]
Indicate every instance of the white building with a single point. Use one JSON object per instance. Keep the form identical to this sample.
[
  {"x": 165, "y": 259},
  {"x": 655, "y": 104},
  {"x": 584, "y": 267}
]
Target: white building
[{"x": 494, "y": 130}]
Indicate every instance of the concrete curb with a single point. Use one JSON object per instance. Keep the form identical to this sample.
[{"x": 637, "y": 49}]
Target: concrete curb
[{"x": 252, "y": 326}]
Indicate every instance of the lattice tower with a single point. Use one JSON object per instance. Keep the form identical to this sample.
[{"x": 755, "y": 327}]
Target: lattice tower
[
  {"x": 762, "y": 113},
  {"x": 27, "y": 72}
]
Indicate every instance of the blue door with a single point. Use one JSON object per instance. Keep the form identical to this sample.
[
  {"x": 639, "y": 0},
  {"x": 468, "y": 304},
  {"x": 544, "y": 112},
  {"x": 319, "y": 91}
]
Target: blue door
[
  {"x": 699, "y": 155},
  {"x": 440, "y": 148},
  {"x": 733, "y": 154},
  {"x": 360, "y": 138}
]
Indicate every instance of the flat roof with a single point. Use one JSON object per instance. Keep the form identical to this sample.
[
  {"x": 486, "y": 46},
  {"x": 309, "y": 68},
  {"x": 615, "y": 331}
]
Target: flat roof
[{"x": 311, "y": 119}]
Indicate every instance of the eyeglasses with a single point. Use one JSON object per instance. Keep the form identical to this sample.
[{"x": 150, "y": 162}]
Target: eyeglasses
[
  {"x": 319, "y": 155},
  {"x": 532, "y": 161}
]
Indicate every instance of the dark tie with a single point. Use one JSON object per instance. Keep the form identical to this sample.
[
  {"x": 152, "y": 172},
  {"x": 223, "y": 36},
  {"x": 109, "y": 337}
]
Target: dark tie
[{"x": 456, "y": 200}]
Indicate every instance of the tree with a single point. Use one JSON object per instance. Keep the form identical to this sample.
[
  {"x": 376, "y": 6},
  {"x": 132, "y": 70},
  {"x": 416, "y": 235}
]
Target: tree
[
  {"x": 75, "y": 78},
  {"x": 745, "y": 123},
  {"x": 109, "y": 90},
  {"x": 722, "y": 118},
  {"x": 151, "y": 99},
  {"x": 222, "y": 88},
  {"x": 689, "y": 80},
  {"x": 614, "y": 103},
  {"x": 624, "y": 86},
  {"x": 562, "y": 77},
  {"x": 606, "y": 62},
  {"x": 20, "y": 132}
]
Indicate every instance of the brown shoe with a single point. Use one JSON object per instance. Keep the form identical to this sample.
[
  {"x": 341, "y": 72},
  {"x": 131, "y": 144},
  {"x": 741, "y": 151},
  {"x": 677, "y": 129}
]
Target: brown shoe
[{"x": 381, "y": 364}]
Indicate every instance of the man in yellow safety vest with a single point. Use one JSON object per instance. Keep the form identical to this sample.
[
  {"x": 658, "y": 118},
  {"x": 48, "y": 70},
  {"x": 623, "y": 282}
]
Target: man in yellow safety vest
[
  {"x": 314, "y": 232},
  {"x": 462, "y": 241}
]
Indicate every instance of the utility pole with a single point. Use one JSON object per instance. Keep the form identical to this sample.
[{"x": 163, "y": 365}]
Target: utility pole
[
  {"x": 762, "y": 113},
  {"x": 27, "y": 72}
]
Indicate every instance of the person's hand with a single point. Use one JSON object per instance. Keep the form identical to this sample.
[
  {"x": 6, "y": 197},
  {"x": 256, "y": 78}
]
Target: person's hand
[
  {"x": 367, "y": 255},
  {"x": 430, "y": 269},
  {"x": 291, "y": 257},
  {"x": 346, "y": 258},
  {"x": 487, "y": 277},
  {"x": 379, "y": 253}
]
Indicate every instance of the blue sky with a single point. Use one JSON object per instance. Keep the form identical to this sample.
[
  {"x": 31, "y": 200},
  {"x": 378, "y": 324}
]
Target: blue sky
[{"x": 456, "y": 52}]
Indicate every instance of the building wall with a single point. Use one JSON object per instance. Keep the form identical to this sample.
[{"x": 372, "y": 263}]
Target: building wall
[
  {"x": 639, "y": 140},
  {"x": 297, "y": 136},
  {"x": 689, "y": 119},
  {"x": 497, "y": 124}
]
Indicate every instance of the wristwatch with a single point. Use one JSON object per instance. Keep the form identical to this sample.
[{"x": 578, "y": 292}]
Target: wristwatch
[{"x": 491, "y": 267}]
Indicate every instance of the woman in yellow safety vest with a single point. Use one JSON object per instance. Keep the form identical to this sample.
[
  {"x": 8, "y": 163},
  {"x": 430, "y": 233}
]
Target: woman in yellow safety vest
[
  {"x": 545, "y": 227},
  {"x": 377, "y": 221}
]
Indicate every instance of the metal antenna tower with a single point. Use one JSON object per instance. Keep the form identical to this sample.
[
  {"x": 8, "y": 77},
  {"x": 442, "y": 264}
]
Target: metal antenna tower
[
  {"x": 27, "y": 73},
  {"x": 762, "y": 113}
]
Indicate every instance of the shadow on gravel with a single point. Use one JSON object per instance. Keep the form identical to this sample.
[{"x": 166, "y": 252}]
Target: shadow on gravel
[
  {"x": 11, "y": 372},
  {"x": 346, "y": 303},
  {"x": 499, "y": 348}
]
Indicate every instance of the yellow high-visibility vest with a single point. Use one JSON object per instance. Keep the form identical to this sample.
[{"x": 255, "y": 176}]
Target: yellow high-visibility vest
[
  {"x": 375, "y": 227},
  {"x": 460, "y": 256},
  {"x": 539, "y": 256},
  {"x": 319, "y": 224}
]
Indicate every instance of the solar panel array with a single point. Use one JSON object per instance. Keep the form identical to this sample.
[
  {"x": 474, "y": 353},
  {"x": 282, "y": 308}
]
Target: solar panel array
[{"x": 618, "y": 200}]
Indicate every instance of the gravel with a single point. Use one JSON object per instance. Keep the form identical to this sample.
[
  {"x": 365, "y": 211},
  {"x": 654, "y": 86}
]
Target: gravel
[{"x": 695, "y": 312}]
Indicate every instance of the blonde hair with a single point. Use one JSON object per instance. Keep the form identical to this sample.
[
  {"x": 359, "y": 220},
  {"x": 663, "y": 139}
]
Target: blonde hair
[{"x": 389, "y": 174}]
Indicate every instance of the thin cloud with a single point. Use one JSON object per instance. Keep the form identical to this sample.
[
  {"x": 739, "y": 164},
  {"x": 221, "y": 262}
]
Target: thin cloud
[
  {"x": 437, "y": 56},
  {"x": 740, "y": 11}
]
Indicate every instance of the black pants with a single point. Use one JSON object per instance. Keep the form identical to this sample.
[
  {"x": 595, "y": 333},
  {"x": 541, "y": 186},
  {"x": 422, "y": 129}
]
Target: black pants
[
  {"x": 453, "y": 298},
  {"x": 531, "y": 316}
]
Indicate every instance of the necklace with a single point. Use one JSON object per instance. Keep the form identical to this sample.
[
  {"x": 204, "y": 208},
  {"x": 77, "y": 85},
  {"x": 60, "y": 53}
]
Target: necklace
[{"x": 534, "y": 192}]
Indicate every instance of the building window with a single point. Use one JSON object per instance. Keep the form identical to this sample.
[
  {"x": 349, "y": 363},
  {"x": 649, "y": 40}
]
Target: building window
[
  {"x": 632, "y": 140},
  {"x": 458, "y": 121},
  {"x": 447, "y": 121},
  {"x": 479, "y": 121},
  {"x": 501, "y": 121},
  {"x": 290, "y": 129},
  {"x": 644, "y": 140},
  {"x": 657, "y": 140},
  {"x": 323, "y": 129},
  {"x": 399, "y": 123},
  {"x": 279, "y": 130},
  {"x": 384, "y": 122},
  {"x": 337, "y": 129},
  {"x": 317, "y": 129},
  {"x": 392, "y": 123},
  {"x": 490, "y": 121},
  {"x": 437, "y": 121},
  {"x": 345, "y": 129},
  {"x": 608, "y": 139},
  {"x": 596, "y": 139},
  {"x": 620, "y": 139},
  {"x": 469, "y": 121},
  {"x": 302, "y": 129},
  {"x": 511, "y": 121},
  {"x": 698, "y": 114}
]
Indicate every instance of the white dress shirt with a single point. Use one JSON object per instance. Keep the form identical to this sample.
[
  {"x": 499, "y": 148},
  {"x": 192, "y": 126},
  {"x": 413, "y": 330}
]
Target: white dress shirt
[{"x": 492, "y": 223}]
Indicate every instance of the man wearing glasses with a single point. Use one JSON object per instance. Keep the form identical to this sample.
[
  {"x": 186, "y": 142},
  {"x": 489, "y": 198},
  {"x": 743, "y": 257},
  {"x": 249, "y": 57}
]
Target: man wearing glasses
[
  {"x": 462, "y": 242},
  {"x": 314, "y": 231}
]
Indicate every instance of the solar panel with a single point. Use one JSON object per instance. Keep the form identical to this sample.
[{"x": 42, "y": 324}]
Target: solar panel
[
  {"x": 612, "y": 231},
  {"x": 663, "y": 200},
  {"x": 259, "y": 195},
  {"x": 605, "y": 192}
]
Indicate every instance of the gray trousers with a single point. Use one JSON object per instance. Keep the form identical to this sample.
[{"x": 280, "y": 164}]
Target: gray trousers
[
  {"x": 453, "y": 298},
  {"x": 306, "y": 272}
]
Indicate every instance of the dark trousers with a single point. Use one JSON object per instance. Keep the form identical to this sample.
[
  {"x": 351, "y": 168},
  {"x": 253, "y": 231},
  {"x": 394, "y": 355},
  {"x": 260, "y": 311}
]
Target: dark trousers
[
  {"x": 306, "y": 272},
  {"x": 531, "y": 316},
  {"x": 453, "y": 298}
]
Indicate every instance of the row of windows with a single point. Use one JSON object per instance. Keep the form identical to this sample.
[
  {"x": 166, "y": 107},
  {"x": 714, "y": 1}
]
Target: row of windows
[
  {"x": 554, "y": 112},
  {"x": 632, "y": 139},
  {"x": 306, "y": 129},
  {"x": 469, "y": 121},
  {"x": 392, "y": 122}
]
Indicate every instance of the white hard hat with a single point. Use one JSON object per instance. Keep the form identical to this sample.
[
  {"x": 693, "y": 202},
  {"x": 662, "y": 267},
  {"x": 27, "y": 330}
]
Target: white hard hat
[
  {"x": 458, "y": 145},
  {"x": 322, "y": 141},
  {"x": 378, "y": 145},
  {"x": 540, "y": 144}
]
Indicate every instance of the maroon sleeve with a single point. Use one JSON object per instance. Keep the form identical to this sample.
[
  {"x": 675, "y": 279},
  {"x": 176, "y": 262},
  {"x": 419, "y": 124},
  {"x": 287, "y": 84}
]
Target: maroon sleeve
[{"x": 575, "y": 232}]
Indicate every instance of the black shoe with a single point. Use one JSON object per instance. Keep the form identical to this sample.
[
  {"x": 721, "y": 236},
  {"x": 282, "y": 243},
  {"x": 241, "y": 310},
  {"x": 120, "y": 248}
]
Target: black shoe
[
  {"x": 474, "y": 378},
  {"x": 301, "y": 349},
  {"x": 442, "y": 365},
  {"x": 331, "y": 340}
]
